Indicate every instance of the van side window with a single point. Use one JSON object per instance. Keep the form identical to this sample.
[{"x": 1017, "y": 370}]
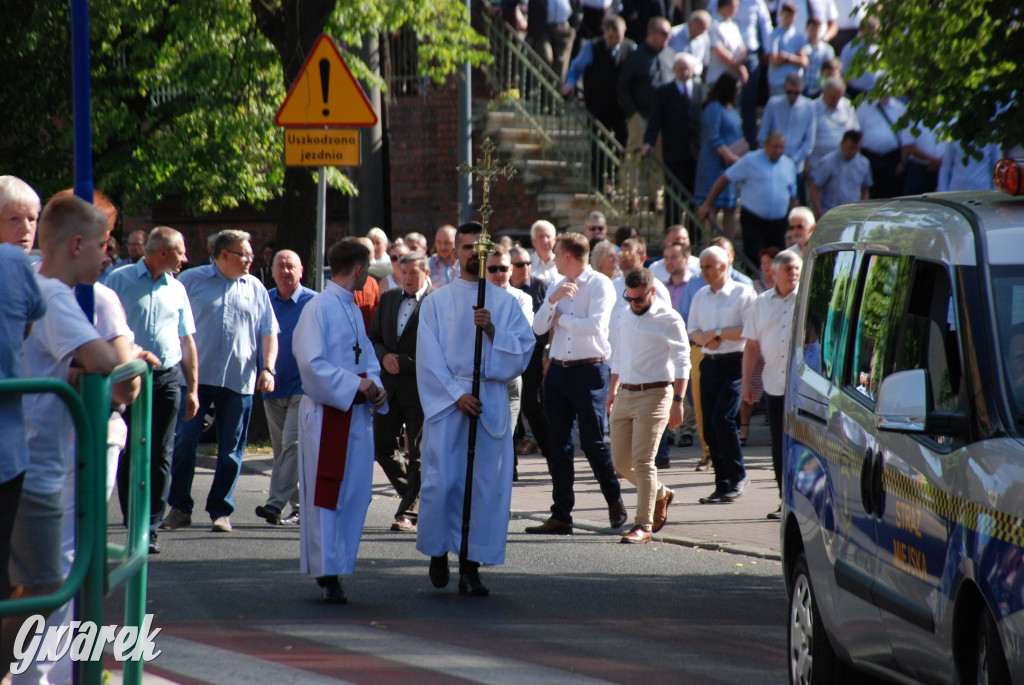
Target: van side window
[
  {"x": 930, "y": 336},
  {"x": 880, "y": 310},
  {"x": 830, "y": 282}
]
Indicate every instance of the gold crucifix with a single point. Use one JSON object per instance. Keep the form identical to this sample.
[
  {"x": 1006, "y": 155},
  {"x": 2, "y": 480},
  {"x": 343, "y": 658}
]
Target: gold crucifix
[{"x": 487, "y": 171}]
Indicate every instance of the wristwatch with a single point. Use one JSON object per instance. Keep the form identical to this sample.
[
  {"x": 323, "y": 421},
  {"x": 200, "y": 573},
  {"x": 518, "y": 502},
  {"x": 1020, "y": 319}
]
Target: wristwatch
[
  {"x": 718, "y": 332},
  {"x": 271, "y": 370},
  {"x": 677, "y": 398}
]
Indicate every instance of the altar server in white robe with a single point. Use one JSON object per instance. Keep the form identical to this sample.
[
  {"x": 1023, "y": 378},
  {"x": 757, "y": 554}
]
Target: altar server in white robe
[
  {"x": 341, "y": 385},
  {"x": 444, "y": 372}
]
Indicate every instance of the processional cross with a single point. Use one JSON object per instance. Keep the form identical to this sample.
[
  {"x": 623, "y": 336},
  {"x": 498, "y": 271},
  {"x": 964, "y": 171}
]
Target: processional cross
[{"x": 486, "y": 171}]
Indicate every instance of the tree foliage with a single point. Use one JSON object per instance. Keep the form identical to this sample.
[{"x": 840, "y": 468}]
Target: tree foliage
[
  {"x": 960, "y": 63},
  {"x": 184, "y": 92}
]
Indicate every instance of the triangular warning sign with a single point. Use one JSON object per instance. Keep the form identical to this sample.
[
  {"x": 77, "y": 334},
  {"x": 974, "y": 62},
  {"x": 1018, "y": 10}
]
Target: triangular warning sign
[{"x": 325, "y": 93}]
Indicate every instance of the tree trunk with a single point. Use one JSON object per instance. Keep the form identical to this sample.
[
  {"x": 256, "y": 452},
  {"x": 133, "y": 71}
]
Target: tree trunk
[{"x": 366, "y": 210}]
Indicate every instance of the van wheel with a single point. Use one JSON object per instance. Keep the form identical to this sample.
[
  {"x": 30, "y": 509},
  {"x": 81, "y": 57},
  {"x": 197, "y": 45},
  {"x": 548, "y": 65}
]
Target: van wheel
[
  {"x": 991, "y": 662},
  {"x": 811, "y": 658}
]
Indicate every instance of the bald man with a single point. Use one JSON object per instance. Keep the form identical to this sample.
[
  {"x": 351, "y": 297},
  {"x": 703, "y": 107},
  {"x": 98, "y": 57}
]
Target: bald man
[{"x": 282, "y": 404}]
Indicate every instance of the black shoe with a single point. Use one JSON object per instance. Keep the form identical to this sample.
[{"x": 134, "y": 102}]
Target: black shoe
[
  {"x": 735, "y": 493},
  {"x": 469, "y": 580},
  {"x": 775, "y": 515},
  {"x": 714, "y": 498},
  {"x": 551, "y": 527},
  {"x": 154, "y": 546},
  {"x": 686, "y": 441},
  {"x": 663, "y": 464},
  {"x": 617, "y": 515},
  {"x": 330, "y": 590},
  {"x": 671, "y": 440},
  {"x": 269, "y": 512},
  {"x": 439, "y": 572}
]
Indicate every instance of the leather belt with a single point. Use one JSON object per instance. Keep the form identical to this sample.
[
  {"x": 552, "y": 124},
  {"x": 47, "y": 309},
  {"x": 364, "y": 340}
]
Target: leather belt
[
  {"x": 723, "y": 357},
  {"x": 577, "y": 362},
  {"x": 640, "y": 387}
]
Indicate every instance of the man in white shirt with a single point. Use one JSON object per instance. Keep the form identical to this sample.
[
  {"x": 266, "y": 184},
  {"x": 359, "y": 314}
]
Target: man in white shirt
[
  {"x": 693, "y": 38},
  {"x": 651, "y": 367},
  {"x": 499, "y": 272},
  {"x": 716, "y": 324},
  {"x": 542, "y": 256},
  {"x": 728, "y": 52},
  {"x": 801, "y": 225},
  {"x": 674, "y": 234},
  {"x": 577, "y": 310},
  {"x": 834, "y": 115},
  {"x": 632, "y": 255},
  {"x": 768, "y": 329}
]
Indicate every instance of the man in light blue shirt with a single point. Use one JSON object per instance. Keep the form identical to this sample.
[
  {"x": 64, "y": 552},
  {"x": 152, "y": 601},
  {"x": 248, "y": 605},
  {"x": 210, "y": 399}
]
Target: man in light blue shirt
[
  {"x": 843, "y": 176},
  {"x": 767, "y": 180},
  {"x": 785, "y": 50},
  {"x": 281, "y": 404},
  {"x": 160, "y": 316},
  {"x": 793, "y": 115},
  {"x": 234, "y": 321}
]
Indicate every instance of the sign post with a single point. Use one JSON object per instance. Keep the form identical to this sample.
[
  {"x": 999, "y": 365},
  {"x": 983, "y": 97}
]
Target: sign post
[{"x": 324, "y": 99}]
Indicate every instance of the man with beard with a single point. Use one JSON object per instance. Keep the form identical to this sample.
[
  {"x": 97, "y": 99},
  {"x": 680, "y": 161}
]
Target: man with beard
[
  {"x": 449, "y": 319},
  {"x": 650, "y": 364}
]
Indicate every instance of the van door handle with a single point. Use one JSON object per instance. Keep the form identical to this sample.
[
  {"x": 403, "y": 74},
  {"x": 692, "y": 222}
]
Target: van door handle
[
  {"x": 866, "y": 470},
  {"x": 877, "y": 491}
]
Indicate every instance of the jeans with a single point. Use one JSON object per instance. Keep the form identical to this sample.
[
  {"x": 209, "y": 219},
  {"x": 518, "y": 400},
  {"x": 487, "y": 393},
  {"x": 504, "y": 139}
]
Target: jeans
[
  {"x": 720, "y": 381},
  {"x": 749, "y": 99},
  {"x": 168, "y": 395},
  {"x": 775, "y": 406},
  {"x": 577, "y": 393},
  {"x": 233, "y": 411}
]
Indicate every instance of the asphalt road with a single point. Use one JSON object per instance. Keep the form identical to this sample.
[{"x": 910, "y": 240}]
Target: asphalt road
[{"x": 233, "y": 608}]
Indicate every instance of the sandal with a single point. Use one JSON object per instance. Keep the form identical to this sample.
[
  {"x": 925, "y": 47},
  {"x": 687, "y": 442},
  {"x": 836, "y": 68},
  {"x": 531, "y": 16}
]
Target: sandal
[{"x": 744, "y": 432}]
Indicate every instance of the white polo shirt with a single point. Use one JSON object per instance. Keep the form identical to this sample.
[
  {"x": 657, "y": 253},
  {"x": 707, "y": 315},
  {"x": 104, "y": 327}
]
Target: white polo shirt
[{"x": 769, "y": 321}]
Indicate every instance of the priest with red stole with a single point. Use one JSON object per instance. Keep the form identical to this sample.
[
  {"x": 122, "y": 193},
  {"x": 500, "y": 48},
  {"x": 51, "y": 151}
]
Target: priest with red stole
[{"x": 341, "y": 385}]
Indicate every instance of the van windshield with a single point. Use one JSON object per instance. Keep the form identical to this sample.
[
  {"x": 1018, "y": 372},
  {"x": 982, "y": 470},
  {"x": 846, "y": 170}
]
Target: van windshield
[{"x": 1008, "y": 298}]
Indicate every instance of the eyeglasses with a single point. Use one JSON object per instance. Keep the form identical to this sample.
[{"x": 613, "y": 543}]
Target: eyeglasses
[
  {"x": 520, "y": 265},
  {"x": 246, "y": 256},
  {"x": 637, "y": 300},
  {"x": 495, "y": 269},
  {"x": 626, "y": 253}
]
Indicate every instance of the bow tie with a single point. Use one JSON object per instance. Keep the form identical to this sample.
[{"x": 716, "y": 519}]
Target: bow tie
[{"x": 407, "y": 296}]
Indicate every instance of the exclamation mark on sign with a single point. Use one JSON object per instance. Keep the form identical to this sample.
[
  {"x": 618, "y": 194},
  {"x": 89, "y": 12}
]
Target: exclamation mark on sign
[{"x": 325, "y": 80}]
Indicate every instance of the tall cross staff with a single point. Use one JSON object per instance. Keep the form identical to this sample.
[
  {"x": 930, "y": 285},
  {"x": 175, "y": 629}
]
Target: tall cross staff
[{"x": 486, "y": 171}]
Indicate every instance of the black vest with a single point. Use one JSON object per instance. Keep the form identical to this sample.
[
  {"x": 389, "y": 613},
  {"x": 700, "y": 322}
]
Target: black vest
[{"x": 601, "y": 77}]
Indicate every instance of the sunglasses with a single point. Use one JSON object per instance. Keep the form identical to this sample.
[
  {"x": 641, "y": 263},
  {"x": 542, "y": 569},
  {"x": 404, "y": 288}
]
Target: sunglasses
[
  {"x": 520, "y": 265},
  {"x": 637, "y": 300},
  {"x": 496, "y": 269},
  {"x": 596, "y": 228}
]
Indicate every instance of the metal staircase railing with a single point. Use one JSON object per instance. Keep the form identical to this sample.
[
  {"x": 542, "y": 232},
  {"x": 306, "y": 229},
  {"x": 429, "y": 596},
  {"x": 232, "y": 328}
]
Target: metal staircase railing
[{"x": 633, "y": 189}]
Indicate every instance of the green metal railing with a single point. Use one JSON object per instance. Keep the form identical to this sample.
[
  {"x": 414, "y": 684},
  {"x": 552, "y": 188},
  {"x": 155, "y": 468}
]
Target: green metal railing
[
  {"x": 90, "y": 579},
  {"x": 633, "y": 189}
]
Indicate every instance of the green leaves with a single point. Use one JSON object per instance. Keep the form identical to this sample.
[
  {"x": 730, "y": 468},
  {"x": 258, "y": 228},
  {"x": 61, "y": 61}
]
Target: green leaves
[
  {"x": 960, "y": 63},
  {"x": 184, "y": 92}
]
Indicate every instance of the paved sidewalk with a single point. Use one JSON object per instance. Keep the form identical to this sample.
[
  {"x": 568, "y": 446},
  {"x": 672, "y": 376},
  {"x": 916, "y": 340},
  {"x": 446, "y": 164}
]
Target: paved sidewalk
[{"x": 740, "y": 527}]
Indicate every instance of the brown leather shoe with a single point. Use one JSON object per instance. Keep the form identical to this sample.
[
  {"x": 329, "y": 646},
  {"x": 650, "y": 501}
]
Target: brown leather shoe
[
  {"x": 661, "y": 510},
  {"x": 637, "y": 536},
  {"x": 617, "y": 515},
  {"x": 704, "y": 465},
  {"x": 551, "y": 527},
  {"x": 403, "y": 523}
]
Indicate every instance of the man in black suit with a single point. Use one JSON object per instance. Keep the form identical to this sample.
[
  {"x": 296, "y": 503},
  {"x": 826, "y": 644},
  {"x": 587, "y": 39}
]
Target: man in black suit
[
  {"x": 393, "y": 334},
  {"x": 598, "y": 63},
  {"x": 533, "y": 378},
  {"x": 677, "y": 116}
]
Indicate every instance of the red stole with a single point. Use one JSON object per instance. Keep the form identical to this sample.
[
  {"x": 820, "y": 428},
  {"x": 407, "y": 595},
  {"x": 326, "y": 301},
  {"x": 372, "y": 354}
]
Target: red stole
[{"x": 330, "y": 468}]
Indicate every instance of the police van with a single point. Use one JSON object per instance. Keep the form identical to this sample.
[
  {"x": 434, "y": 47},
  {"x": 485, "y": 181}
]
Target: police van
[{"x": 903, "y": 487}]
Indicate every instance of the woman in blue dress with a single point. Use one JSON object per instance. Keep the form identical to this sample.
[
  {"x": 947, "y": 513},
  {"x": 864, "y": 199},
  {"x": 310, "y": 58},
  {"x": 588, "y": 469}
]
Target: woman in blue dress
[{"x": 720, "y": 128}]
